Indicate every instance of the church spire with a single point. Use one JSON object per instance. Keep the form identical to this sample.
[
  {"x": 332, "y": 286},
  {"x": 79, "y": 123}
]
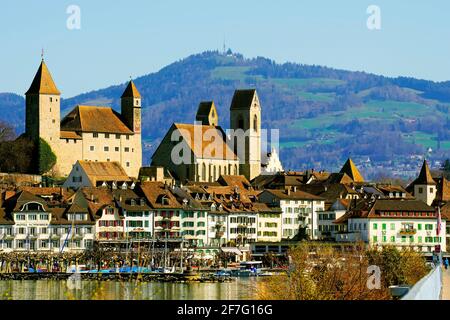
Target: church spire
[
  {"x": 425, "y": 175},
  {"x": 131, "y": 91},
  {"x": 352, "y": 171}
]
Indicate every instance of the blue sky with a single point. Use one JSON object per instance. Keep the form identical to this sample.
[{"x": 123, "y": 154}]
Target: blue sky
[{"x": 122, "y": 38}]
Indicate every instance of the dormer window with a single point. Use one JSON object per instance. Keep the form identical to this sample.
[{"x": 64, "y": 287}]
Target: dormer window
[
  {"x": 33, "y": 206},
  {"x": 142, "y": 202},
  {"x": 133, "y": 202}
]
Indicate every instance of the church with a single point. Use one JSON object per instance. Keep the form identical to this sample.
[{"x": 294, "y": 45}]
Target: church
[
  {"x": 88, "y": 133},
  {"x": 211, "y": 152}
]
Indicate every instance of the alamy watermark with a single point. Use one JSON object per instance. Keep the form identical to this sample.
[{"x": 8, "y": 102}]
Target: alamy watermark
[
  {"x": 73, "y": 21},
  {"x": 374, "y": 19}
]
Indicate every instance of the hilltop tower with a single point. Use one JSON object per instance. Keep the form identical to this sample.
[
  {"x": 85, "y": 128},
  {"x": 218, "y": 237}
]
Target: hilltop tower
[
  {"x": 131, "y": 107},
  {"x": 42, "y": 116},
  {"x": 245, "y": 114}
]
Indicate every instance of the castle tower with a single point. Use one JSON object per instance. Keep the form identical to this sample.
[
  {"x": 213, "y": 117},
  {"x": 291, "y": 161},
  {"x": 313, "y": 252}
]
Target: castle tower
[
  {"x": 42, "y": 116},
  {"x": 424, "y": 185},
  {"x": 245, "y": 114},
  {"x": 131, "y": 107}
]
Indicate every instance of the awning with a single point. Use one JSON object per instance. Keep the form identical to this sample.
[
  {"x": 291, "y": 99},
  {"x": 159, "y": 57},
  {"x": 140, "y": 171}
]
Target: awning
[{"x": 232, "y": 250}]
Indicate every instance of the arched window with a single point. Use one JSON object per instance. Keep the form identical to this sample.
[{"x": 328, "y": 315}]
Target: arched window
[
  {"x": 255, "y": 123},
  {"x": 203, "y": 172}
]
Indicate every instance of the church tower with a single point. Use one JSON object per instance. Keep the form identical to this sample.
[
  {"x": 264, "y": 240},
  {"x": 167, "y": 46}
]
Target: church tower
[
  {"x": 131, "y": 107},
  {"x": 424, "y": 185},
  {"x": 42, "y": 116},
  {"x": 131, "y": 116},
  {"x": 245, "y": 114}
]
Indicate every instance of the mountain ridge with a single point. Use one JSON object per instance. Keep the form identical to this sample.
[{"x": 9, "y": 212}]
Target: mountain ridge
[{"x": 324, "y": 114}]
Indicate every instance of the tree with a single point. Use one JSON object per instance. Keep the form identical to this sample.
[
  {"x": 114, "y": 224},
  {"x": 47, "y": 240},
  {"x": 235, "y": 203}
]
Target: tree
[
  {"x": 17, "y": 155},
  {"x": 47, "y": 159},
  {"x": 325, "y": 272}
]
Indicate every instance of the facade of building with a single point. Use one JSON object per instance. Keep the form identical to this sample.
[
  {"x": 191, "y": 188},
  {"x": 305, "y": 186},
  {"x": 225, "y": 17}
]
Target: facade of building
[
  {"x": 300, "y": 211},
  {"x": 87, "y": 133},
  {"x": 399, "y": 223},
  {"x": 29, "y": 224},
  {"x": 97, "y": 174}
]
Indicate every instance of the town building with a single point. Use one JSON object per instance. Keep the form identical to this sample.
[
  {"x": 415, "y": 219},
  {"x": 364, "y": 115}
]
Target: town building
[
  {"x": 395, "y": 222},
  {"x": 167, "y": 210},
  {"x": 300, "y": 211},
  {"x": 97, "y": 174},
  {"x": 29, "y": 224},
  {"x": 87, "y": 133}
]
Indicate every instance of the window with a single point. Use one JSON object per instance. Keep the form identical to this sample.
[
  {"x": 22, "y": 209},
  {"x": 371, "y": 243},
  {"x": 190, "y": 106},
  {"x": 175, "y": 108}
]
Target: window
[
  {"x": 392, "y": 226},
  {"x": 383, "y": 226},
  {"x": 392, "y": 238},
  {"x": 95, "y": 135},
  {"x": 128, "y": 137},
  {"x": 106, "y": 135},
  {"x": 255, "y": 123},
  {"x": 116, "y": 149},
  {"x": 91, "y": 148},
  {"x": 128, "y": 164},
  {"x": 419, "y": 226},
  {"x": 127, "y": 149},
  {"x": 420, "y": 190},
  {"x": 117, "y": 136},
  {"x": 375, "y": 226},
  {"x": 375, "y": 239},
  {"x": 106, "y": 148},
  {"x": 428, "y": 227},
  {"x": 431, "y": 190}
]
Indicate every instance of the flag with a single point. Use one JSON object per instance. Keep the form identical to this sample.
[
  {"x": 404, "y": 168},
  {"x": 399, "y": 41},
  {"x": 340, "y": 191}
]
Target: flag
[{"x": 438, "y": 228}]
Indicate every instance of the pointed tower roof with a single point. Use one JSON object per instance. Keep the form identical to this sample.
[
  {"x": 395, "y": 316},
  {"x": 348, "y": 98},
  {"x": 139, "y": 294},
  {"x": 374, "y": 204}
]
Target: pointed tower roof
[
  {"x": 131, "y": 91},
  {"x": 425, "y": 175},
  {"x": 352, "y": 171},
  {"x": 207, "y": 113},
  {"x": 43, "y": 82},
  {"x": 242, "y": 99}
]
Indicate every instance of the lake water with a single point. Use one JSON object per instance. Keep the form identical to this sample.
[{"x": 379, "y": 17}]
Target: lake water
[{"x": 240, "y": 288}]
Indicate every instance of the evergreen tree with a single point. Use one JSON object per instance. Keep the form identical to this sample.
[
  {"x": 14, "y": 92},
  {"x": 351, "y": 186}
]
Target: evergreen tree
[{"x": 47, "y": 159}]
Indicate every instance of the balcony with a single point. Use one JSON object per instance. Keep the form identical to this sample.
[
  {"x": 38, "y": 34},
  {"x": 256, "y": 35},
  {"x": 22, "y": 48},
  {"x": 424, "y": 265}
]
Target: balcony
[{"x": 407, "y": 232}]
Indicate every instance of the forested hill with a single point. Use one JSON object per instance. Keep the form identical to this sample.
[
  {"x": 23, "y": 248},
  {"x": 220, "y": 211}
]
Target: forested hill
[{"x": 324, "y": 114}]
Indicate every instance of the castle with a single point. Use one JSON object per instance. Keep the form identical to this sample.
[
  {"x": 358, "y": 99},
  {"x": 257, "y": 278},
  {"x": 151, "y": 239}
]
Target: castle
[{"x": 88, "y": 133}]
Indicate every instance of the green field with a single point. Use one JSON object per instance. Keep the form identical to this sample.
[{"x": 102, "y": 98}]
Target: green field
[
  {"x": 232, "y": 73},
  {"x": 320, "y": 96},
  {"x": 387, "y": 111}
]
